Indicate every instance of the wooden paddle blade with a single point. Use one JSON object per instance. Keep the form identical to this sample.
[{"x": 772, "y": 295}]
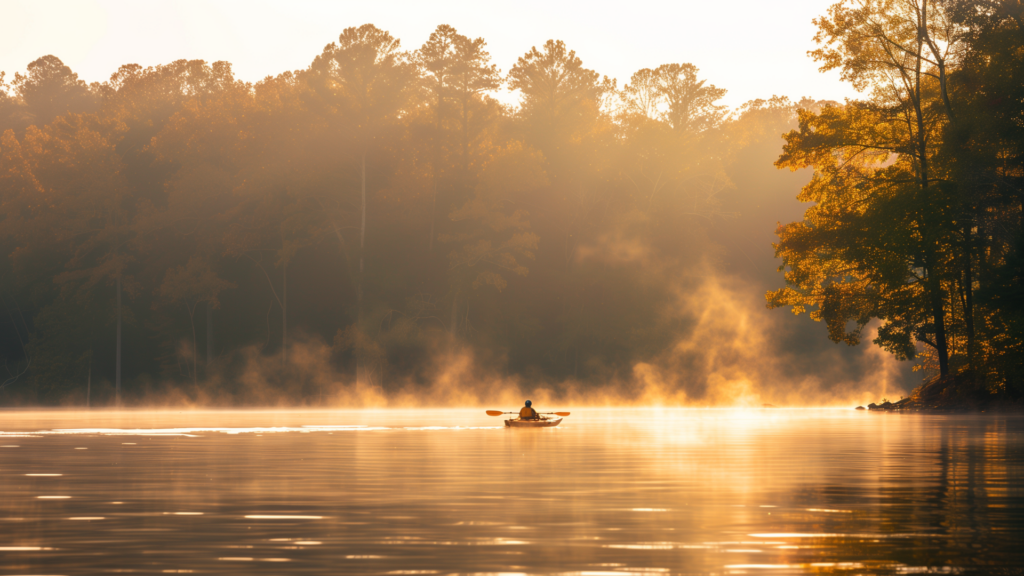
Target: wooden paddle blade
[
  {"x": 561, "y": 413},
  {"x": 494, "y": 412}
]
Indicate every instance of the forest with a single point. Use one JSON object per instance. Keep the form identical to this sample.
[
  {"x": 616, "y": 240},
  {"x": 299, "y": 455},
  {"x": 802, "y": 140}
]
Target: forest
[{"x": 177, "y": 233}]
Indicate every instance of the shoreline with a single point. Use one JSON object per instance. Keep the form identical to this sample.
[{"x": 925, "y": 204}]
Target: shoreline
[{"x": 962, "y": 394}]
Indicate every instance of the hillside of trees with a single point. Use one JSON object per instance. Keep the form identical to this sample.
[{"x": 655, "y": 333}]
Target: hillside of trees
[{"x": 174, "y": 229}]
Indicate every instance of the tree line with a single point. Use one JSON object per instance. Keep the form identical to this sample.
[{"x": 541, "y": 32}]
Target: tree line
[
  {"x": 172, "y": 222},
  {"x": 167, "y": 227}
]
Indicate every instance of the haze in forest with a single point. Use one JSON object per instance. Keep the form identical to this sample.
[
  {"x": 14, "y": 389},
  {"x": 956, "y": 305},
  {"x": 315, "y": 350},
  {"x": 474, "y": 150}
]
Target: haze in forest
[{"x": 382, "y": 227}]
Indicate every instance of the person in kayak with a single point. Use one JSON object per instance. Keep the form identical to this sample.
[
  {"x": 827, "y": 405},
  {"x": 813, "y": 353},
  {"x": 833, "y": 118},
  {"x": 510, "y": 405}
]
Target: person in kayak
[{"x": 528, "y": 413}]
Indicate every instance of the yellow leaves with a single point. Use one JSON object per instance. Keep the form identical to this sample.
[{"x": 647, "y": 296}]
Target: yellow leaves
[
  {"x": 15, "y": 173},
  {"x": 849, "y": 257},
  {"x": 64, "y": 183},
  {"x": 785, "y": 297}
]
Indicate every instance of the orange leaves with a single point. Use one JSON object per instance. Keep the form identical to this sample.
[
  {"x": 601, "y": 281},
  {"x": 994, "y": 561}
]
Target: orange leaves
[{"x": 75, "y": 168}]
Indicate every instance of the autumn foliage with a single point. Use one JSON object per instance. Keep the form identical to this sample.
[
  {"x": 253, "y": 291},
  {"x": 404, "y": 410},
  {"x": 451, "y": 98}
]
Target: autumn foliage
[{"x": 917, "y": 188}]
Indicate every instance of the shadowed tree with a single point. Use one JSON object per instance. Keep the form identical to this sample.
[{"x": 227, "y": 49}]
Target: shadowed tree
[
  {"x": 457, "y": 71},
  {"x": 690, "y": 106},
  {"x": 985, "y": 150},
  {"x": 437, "y": 58},
  {"x": 499, "y": 238},
  {"x": 367, "y": 81},
  {"x": 559, "y": 97},
  {"x": 50, "y": 89},
  {"x": 902, "y": 48},
  {"x": 472, "y": 76},
  {"x": 666, "y": 115},
  {"x": 875, "y": 154},
  {"x": 65, "y": 206},
  {"x": 190, "y": 285},
  {"x": 12, "y": 115}
]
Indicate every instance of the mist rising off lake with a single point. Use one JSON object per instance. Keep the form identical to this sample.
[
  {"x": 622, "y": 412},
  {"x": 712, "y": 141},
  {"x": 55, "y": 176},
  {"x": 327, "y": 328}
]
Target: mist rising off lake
[{"x": 442, "y": 491}]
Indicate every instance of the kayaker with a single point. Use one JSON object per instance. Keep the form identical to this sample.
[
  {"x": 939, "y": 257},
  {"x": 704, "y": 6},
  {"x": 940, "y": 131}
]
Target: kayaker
[{"x": 528, "y": 413}]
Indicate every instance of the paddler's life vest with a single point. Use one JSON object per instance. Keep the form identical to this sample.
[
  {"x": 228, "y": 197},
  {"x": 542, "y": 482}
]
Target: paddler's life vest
[{"x": 527, "y": 413}]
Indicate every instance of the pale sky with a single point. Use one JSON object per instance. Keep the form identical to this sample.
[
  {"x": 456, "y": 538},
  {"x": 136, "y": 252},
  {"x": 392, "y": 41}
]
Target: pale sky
[{"x": 753, "y": 48}]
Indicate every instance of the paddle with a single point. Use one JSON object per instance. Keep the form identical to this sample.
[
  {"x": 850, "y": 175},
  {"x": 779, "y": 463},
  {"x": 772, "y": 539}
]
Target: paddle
[{"x": 499, "y": 413}]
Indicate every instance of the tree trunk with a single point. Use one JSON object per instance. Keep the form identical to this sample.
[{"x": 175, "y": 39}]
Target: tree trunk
[
  {"x": 969, "y": 294},
  {"x": 433, "y": 217},
  {"x": 117, "y": 370},
  {"x": 284, "y": 316},
  {"x": 362, "y": 253},
  {"x": 940, "y": 330},
  {"x": 464, "y": 177},
  {"x": 576, "y": 363},
  {"x": 349, "y": 275},
  {"x": 433, "y": 171},
  {"x": 940, "y": 62},
  {"x": 195, "y": 350},
  {"x": 939, "y": 317},
  {"x": 455, "y": 316},
  {"x": 209, "y": 338},
  {"x": 362, "y": 231},
  {"x": 934, "y": 283}
]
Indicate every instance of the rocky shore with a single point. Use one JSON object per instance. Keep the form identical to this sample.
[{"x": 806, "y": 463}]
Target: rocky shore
[{"x": 953, "y": 394}]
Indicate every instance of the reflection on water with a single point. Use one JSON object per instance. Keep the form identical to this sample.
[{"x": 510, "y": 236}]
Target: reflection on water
[{"x": 437, "y": 492}]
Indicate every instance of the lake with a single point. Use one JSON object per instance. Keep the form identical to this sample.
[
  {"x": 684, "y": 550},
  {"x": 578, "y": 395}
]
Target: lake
[{"x": 452, "y": 491}]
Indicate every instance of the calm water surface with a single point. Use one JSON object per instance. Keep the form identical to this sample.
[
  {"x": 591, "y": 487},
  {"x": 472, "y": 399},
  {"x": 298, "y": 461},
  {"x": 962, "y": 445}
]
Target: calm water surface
[{"x": 449, "y": 491}]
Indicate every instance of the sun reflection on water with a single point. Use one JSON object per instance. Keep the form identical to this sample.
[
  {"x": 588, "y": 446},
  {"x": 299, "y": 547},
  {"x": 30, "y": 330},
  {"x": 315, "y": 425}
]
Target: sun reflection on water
[{"x": 647, "y": 491}]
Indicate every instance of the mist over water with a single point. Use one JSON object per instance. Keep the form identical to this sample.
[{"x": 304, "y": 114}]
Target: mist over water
[
  {"x": 610, "y": 491},
  {"x": 732, "y": 353},
  {"x": 728, "y": 350}
]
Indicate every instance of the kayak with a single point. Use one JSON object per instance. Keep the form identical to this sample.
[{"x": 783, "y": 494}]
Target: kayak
[{"x": 517, "y": 423}]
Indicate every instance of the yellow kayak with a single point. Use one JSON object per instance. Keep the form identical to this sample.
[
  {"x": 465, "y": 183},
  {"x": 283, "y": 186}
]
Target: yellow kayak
[{"x": 542, "y": 423}]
